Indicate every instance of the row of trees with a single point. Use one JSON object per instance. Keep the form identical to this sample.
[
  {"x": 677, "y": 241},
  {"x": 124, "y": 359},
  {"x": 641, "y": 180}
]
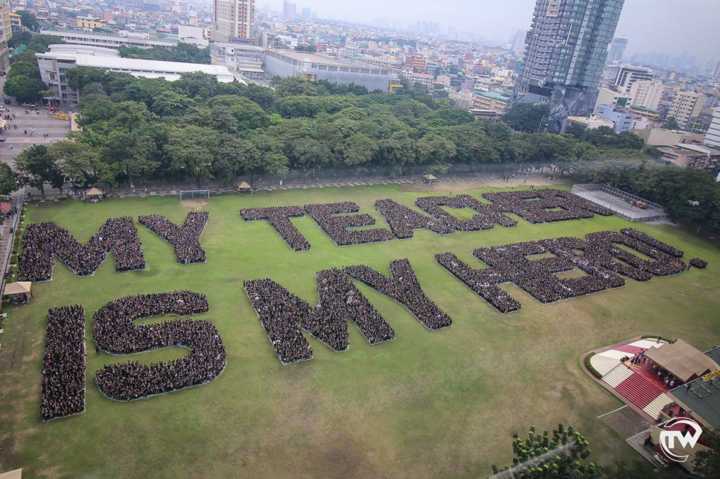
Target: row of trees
[
  {"x": 23, "y": 80},
  {"x": 198, "y": 129}
]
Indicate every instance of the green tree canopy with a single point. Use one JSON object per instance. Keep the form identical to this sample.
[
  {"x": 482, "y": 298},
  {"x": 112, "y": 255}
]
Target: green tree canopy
[{"x": 36, "y": 167}]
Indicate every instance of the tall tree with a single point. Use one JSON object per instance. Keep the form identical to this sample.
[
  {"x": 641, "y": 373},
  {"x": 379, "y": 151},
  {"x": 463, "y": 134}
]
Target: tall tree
[
  {"x": 8, "y": 179},
  {"x": 36, "y": 167},
  {"x": 80, "y": 163},
  {"x": 528, "y": 117}
]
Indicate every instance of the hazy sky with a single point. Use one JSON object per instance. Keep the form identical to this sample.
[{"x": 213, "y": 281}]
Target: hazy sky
[{"x": 678, "y": 26}]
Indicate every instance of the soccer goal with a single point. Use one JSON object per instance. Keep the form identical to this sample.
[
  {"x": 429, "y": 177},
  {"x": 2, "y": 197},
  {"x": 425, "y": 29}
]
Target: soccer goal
[{"x": 194, "y": 195}]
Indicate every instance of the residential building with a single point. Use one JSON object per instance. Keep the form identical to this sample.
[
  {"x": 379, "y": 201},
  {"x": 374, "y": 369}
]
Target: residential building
[
  {"x": 425, "y": 80},
  {"x": 646, "y": 94},
  {"x": 107, "y": 41},
  {"x": 617, "y": 50},
  {"x": 233, "y": 20},
  {"x": 712, "y": 136},
  {"x": 290, "y": 63},
  {"x": 565, "y": 54},
  {"x": 607, "y": 96},
  {"x": 16, "y": 21},
  {"x": 622, "y": 119},
  {"x": 686, "y": 106},
  {"x": 627, "y": 75},
  {"x": 55, "y": 63},
  {"x": 88, "y": 23},
  {"x": 246, "y": 60},
  {"x": 416, "y": 62},
  {"x": 6, "y": 32},
  {"x": 486, "y": 102}
]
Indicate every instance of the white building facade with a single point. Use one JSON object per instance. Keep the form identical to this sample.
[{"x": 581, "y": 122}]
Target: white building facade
[
  {"x": 233, "y": 20},
  {"x": 55, "y": 63},
  {"x": 712, "y": 136}
]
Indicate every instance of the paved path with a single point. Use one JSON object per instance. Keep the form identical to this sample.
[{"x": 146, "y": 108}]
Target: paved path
[{"x": 26, "y": 127}]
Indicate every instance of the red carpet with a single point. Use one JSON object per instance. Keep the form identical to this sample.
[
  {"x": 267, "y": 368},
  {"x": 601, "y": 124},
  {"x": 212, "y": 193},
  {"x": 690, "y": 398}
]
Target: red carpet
[{"x": 638, "y": 390}]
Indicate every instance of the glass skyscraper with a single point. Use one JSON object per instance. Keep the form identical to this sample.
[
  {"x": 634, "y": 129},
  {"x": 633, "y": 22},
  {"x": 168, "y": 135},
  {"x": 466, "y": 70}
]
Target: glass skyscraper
[{"x": 565, "y": 52}]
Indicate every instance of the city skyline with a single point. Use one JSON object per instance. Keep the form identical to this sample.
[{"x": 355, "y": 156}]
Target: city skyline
[{"x": 688, "y": 26}]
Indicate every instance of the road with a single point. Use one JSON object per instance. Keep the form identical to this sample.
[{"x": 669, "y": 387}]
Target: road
[{"x": 26, "y": 127}]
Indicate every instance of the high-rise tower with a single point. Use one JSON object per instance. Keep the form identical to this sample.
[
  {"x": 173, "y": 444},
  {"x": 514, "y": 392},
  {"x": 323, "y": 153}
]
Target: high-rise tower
[
  {"x": 565, "y": 53},
  {"x": 233, "y": 19}
]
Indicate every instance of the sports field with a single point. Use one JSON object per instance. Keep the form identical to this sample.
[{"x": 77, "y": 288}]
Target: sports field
[{"x": 427, "y": 404}]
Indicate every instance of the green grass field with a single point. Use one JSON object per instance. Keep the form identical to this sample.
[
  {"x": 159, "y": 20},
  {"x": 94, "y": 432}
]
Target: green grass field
[{"x": 441, "y": 404}]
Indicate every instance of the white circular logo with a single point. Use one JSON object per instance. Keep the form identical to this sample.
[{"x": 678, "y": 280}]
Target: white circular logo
[{"x": 682, "y": 430}]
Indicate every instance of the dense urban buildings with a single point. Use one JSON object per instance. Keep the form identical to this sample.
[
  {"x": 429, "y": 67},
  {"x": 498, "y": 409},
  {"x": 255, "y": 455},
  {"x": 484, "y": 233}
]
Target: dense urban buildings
[
  {"x": 233, "y": 19},
  {"x": 5, "y": 34},
  {"x": 566, "y": 50}
]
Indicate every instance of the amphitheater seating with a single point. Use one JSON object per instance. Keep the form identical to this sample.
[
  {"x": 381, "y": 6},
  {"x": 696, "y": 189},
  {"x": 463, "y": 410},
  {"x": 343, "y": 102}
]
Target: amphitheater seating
[
  {"x": 619, "y": 374},
  {"x": 638, "y": 390},
  {"x": 656, "y": 406}
]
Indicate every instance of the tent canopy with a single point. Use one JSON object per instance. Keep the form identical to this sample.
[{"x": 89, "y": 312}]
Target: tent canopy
[
  {"x": 682, "y": 360},
  {"x": 244, "y": 185},
  {"x": 21, "y": 287},
  {"x": 94, "y": 192}
]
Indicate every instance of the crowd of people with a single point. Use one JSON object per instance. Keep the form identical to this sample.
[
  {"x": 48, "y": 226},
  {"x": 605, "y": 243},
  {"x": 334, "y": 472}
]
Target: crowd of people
[
  {"x": 486, "y": 216},
  {"x": 43, "y": 242},
  {"x": 185, "y": 239},
  {"x": 281, "y": 313},
  {"x": 403, "y": 221},
  {"x": 698, "y": 263},
  {"x": 115, "y": 333},
  {"x": 545, "y": 206},
  {"x": 534, "y": 266},
  {"x": 64, "y": 363},
  {"x": 537, "y": 206},
  {"x": 403, "y": 287},
  {"x": 285, "y": 316},
  {"x": 279, "y": 218},
  {"x": 337, "y": 227}
]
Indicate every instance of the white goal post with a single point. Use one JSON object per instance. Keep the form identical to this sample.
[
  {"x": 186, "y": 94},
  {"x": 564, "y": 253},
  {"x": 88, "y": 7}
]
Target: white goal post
[{"x": 194, "y": 194}]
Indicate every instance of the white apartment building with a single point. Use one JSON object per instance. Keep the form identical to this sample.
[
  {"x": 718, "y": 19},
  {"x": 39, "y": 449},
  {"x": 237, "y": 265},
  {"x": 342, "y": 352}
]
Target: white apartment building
[
  {"x": 233, "y": 19},
  {"x": 712, "y": 136},
  {"x": 646, "y": 94},
  {"x": 686, "y": 106},
  {"x": 628, "y": 75}
]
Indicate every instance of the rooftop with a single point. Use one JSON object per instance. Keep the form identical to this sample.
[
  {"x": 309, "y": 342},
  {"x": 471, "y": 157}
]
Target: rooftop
[
  {"x": 682, "y": 360},
  {"x": 109, "y": 60},
  {"x": 320, "y": 59}
]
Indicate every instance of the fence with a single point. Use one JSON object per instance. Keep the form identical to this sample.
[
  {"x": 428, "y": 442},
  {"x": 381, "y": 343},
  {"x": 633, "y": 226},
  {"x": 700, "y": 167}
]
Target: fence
[
  {"x": 9, "y": 243},
  {"x": 326, "y": 177}
]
